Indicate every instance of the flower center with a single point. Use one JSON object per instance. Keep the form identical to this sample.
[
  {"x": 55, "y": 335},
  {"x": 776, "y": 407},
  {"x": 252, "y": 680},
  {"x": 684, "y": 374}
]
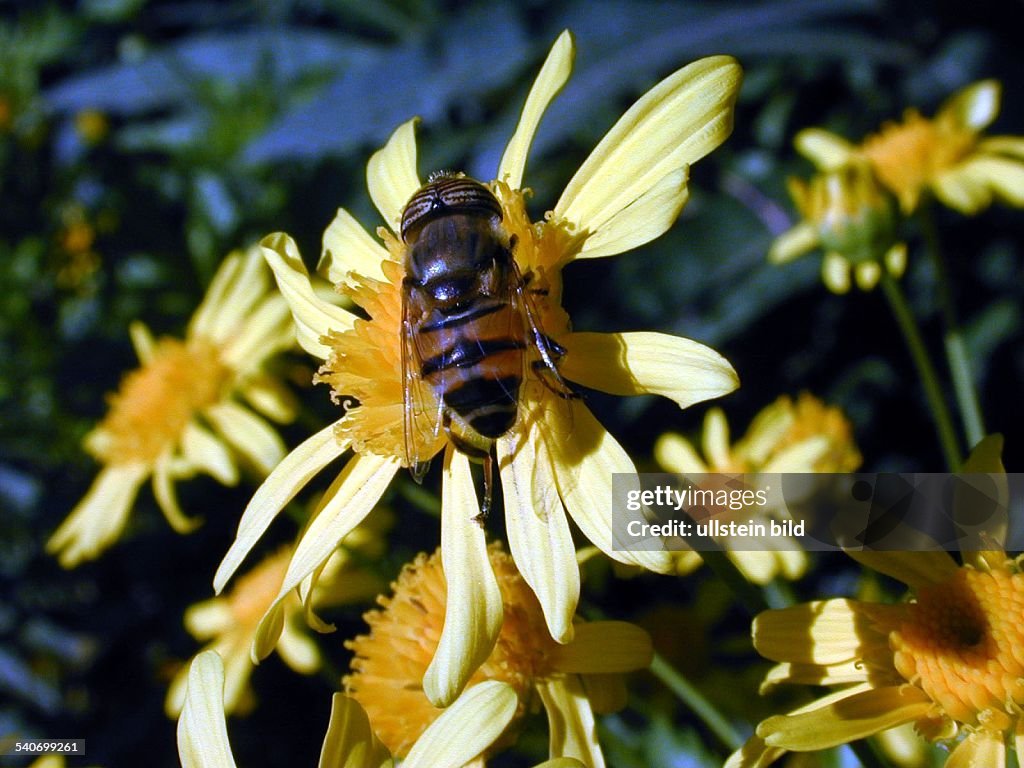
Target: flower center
[
  {"x": 390, "y": 662},
  {"x": 962, "y": 643},
  {"x": 149, "y": 412},
  {"x": 256, "y": 590},
  {"x": 812, "y": 418},
  {"x": 908, "y": 156}
]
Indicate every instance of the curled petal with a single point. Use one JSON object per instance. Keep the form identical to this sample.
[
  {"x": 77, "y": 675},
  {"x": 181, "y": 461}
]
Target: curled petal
[
  {"x": 313, "y": 316},
  {"x": 391, "y": 174},
  {"x": 167, "y": 499},
  {"x": 673, "y": 125},
  {"x": 348, "y": 248},
  {"x": 552, "y": 78},
  {"x": 473, "y": 608},
  {"x": 642, "y": 363}
]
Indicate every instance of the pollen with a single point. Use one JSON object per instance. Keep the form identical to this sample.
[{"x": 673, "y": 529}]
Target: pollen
[
  {"x": 962, "y": 642},
  {"x": 908, "y": 156},
  {"x": 148, "y": 414},
  {"x": 391, "y": 660}
]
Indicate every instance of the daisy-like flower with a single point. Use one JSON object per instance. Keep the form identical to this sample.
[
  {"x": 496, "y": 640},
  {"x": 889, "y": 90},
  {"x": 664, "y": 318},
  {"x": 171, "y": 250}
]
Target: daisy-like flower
[
  {"x": 179, "y": 413},
  {"x": 948, "y": 659},
  {"x": 230, "y": 621},
  {"x": 456, "y": 738},
  {"x": 571, "y": 681},
  {"x": 845, "y": 213},
  {"x": 557, "y": 458},
  {"x": 947, "y": 155},
  {"x": 800, "y": 436}
]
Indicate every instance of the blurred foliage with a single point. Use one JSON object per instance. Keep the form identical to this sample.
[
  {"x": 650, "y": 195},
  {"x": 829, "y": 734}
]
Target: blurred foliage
[{"x": 141, "y": 141}]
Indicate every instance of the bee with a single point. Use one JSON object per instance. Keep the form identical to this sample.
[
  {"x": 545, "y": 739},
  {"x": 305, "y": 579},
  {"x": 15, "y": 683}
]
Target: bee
[{"x": 469, "y": 331}]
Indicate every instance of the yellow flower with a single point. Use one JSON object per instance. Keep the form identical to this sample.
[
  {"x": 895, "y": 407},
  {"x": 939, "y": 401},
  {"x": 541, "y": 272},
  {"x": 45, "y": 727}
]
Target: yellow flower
[
  {"x": 557, "y": 458},
  {"x": 786, "y": 436},
  {"x": 848, "y": 215},
  {"x": 947, "y": 155},
  {"x": 230, "y": 621},
  {"x": 177, "y": 414},
  {"x": 462, "y": 733},
  {"x": 572, "y": 681},
  {"x": 947, "y": 660}
]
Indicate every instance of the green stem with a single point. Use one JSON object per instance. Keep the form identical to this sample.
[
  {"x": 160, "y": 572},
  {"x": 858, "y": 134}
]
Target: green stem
[
  {"x": 925, "y": 370},
  {"x": 696, "y": 702},
  {"x": 956, "y": 350}
]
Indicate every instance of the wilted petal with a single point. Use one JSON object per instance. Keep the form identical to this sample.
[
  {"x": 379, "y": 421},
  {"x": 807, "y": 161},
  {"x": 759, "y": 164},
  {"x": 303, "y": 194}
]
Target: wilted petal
[
  {"x": 827, "y": 151},
  {"x": 350, "y": 741},
  {"x": 572, "y": 731},
  {"x": 643, "y": 220},
  {"x": 793, "y": 243},
  {"x": 202, "y": 730},
  {"x": 642, "y": 363},
  {"x": 313, "y": 316},
  {"x": 349, "y": 500},
  {"x": 583, "y": 468},
  {"x": 347, "y": 247},
  {"x": 466, "y": 728},
  {"x": 855, "y": 717},
  {"x": 552, "y": 78},
  {"x": 280, "y": 487},
  {"x": 538, "y": 531},
  {"x": 473, "y": 608},
  {"x": 391, "y": 174},
  {"x": 673, "y": 125}
]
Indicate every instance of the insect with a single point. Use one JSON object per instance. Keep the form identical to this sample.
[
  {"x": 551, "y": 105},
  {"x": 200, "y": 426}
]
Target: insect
[{"x": 469, "y": 330}]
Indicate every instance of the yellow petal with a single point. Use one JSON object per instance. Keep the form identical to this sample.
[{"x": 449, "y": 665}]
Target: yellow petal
[
  {"x": 298, "y": 650},
  {"x": 867, "y": 274},
  {"x": 715, "y": 439},
  {"x": 673, "y": 125},
  {"x": 981, "y": 502},
  {"x": 606, "y": 693},
  {"x": 538, "y": 531},
  {"x": 313, "y": 316},
  {"x": 583, "y": 466},
  {"x": 640, "y": 363},
  {"x": 202, "y": 730},
  {"x": 267, "y": 330},
  {"x": 962, "y": 191},
  {"x": 466, "y": 728},
  {"x": 167, "y": 500},
  {"x": 980, "y": 748},
  {"x": 473, "y": 609},
  {"x": 572, "y": 731},
  {"x": 99, "y": 518},
  {"x": 142, "y": 341},
  {"x": 1004, "y": 176},
  {"x": 209, "y": 454},
  {"x": 643, "y": 220},
  {"x": 268, "y": 395},
  {"x": 835, "y": 273},
  {"x": 827, "y": 151},
  {"x": 973, "y": 107},
  {"x": 280, "y": 487},
  {"x": 239, "y": 283},
  {"x": 896, "y": 260},
  {"x": 552, "y": 78},
  {"x": 350, "y": 741},
  {"x": 391, "y": 174},
  {"x": 846, "y": 673},
  {"x": 348, "y": 248},
  {"x": 849, "y": 719},
  {"x": 793, "y": 242},
  {"x": 819, "y": 632},
  {"x": 916, "y": 569},
  {"x": 604, "y": 647},
  {"x": 675, "y": 454},
  {"x": 250, "y": 435},
  {"x": 1002, "y": 145},
  {"x": 350, "y": 499}
]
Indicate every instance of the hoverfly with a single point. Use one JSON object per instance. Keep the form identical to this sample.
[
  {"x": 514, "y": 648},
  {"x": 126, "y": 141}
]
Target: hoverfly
[{"x": 469, "y": 332}]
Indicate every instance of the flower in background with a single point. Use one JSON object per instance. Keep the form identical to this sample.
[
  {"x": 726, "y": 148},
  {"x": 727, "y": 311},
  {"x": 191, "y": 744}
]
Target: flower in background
[
  {"x": 462, "y": 733},
  {"x": 178, "y": 414},
  {"x": 852, "y": 219},
  {"x": 557, "y": 459},
  {"x": 572, "y": 681},
  {"x": 948, "y": 659},
  {"x": 230, "y": 621},
  {"x": 947, "y": 155},
  {"x": 799, "y": 437}
]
